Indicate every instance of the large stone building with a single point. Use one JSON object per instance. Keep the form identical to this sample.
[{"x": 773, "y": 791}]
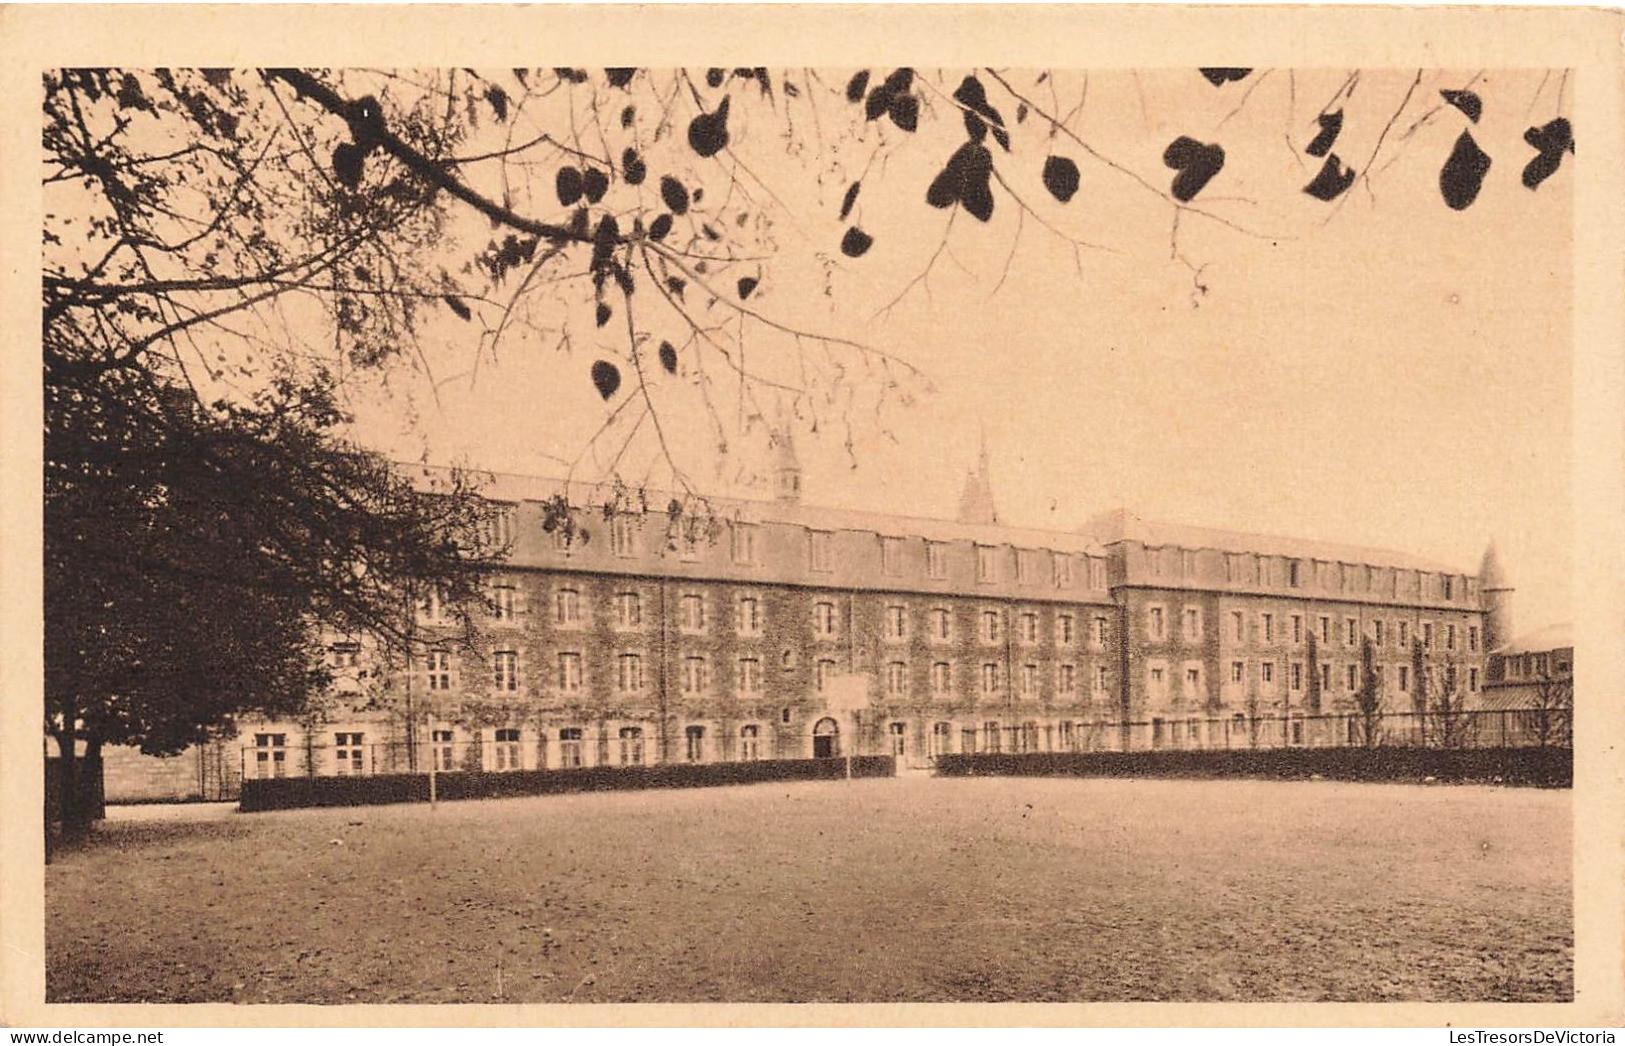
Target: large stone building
[{"x": 793, "y": 631}]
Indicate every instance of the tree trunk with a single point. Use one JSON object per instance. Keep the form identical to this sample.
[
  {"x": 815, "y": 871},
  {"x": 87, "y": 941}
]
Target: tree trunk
[{"x": 70, "y": 807}]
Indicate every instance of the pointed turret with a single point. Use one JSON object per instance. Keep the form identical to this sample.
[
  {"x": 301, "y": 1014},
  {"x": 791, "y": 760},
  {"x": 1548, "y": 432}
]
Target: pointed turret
[
  {"x": 786, "y": 467},
  {"x": 976, "y": 503},
  {"x": 1496, "y": 597}
]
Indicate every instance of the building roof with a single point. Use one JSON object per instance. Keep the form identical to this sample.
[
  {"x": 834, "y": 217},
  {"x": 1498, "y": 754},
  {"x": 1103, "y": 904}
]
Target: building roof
[
  {"x": 1552, "y": 637},
  {"x": 507, "y": 486},
  {"x": 1109, "y": 528}
]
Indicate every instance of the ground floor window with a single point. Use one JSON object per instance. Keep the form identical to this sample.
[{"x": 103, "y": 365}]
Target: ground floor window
[
  {"x": 348, "y": 754},
  {"x": 750, "y": 741},
  {"x": 631, "y": 746},
  {"x": 441, "y": 749},
  {"x": 899, "y": 739},
  {"x": 505, "y": 750},
  {"x": 942, "y": 735},
  {"x": 1069, "y": 741},
  {"x": 694, "y": 740},
  {"x": 570, "y": 746},
  {"x": 967, "y": 740},
  {"x": 270, "y": 755},
  {"x": 990, "y": 736}
]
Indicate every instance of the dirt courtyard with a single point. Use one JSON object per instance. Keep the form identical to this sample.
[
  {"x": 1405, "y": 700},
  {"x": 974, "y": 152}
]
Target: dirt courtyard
[{"x": 911, "y": 889}]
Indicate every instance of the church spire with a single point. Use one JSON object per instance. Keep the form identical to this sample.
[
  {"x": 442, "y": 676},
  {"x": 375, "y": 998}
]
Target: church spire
[
  {"x": 976, "y": 503},
  {"x": 786, "y": 467}
]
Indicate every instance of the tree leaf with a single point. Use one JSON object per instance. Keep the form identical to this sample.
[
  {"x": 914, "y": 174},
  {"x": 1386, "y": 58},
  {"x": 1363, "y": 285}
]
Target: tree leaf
[
  {"x": 714, "y": 77},
  {"x": 1551, "y": 141},
  {"x": 633, "y": 170},
  {"x": 856, "y": 86},
  {"x": 746, "y": 285},
  {"x": 1331, "y": 124},
  {"x": 856, "y": 242},
  {"x": 567, "y": 183},
  {"x": 1061, "y": 177},
  {"x": 1463, "y": 173},
  {"x": 619, "y": 77},
  {"x": 1197, "y": 163},
  {"x": 348, "y": 160},
  {"x": 849, "y": 199},
  {"x": 668, "y": 357},
  {"x": 676, "y": 286},
  {"x": 456, "y": 305},
  {"x": 628, "y": 114},
  {"x": 1220, "y": 77},
  {"x": 1332, "y": 181},
  {"x": 499, "y": 102},
  {"x": 905, "y": 111},
  {"x": 594, "y": 183},
  {"x": 708, "y": 132},
  {"x": 604, "y": 313},
  {"x": 1469, "y": 103},
  {"x": 606, "y": 378},
  {"x": 674, "y": 195},
  {"x": 660, "y": 228}
]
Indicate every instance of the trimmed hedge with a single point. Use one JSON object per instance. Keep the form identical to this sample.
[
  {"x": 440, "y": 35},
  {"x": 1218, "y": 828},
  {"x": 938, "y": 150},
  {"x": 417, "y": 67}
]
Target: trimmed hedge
[
  {"x": 1541, "y": 767},
  {"x": 286, "y": 793}
]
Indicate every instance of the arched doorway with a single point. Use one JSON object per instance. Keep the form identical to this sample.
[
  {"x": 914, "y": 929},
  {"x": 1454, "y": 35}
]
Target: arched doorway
[{"x": 826, "y": 738}]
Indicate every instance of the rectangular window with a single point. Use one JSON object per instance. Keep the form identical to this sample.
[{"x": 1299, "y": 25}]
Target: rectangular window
[
  {"x": 990, "y": 677},
  {"x": 623, "y": 535},
  {"x": 1450, "y": 637},
  {"x": 505, "y": 670},
  {"x": 431, "y": 607},
  {"x": 691, "y": 612},
  {"x": 438, "y": 665},
  {"x": 1404, "y": 633},
  {"x": 1029, "y": 681},
  {"x": 991, "y": 631},
  {"x": 270, "y": 755},
  {"x": 1325, "y": 629},
  {"x": 569, "y": 672},
  {"x": 570, "y": 747},
  {"x": 1065, "y": 629},
  {"x": 1097, "y": 573},
  {"x": 1296, "y": 676},
  {"x": 1156, "y": 623},
  {"x": 1102, "y": 631},
  {"x": 1404, "y": 678},
  {"x": 942, "y": 624},
  {"x": 1297, "y": 628},
  {"x": 694, "y": 743},
  {"x": 896, "y": 622},
  {"x": 1325, "y": 676},
  {"x": 750, "y": 675},
  {"x": 1026, "y": 567},
  {"x": 1376, "y": 632},
  {"x": 987, "y": 564},
  {"x": 1029, "y": 628},
  {"x": 1294, "y": 569},
  {"x": 896, "y": 678},
  {"x": 1351, "y": 631},
  {"x": 750, "y": 742},
  {"x": 505, "y": 750},
  {"x": 891, "y": 556},
  {"x": 501, "y": 602},
  {"x": 742, "y": 542},
  {"x": 499, "y": 526},
  {"x": 941, "y": 678},
  {"x": 1063, "y": 570},
  {"x": 1472, "y": 680},
  {"x": 629, "y": 609},
  {"x": 629, "y": 678},
  {"x": 1427, "y": 635},
  {"x": 936, "y": 560},
  {"x": 1266, "y": 673},
  {"x": 343, "y": 655},
  {"x": 1266, "y": 626},
  {"x": 1472, "y": 638},
  {"x": 631, "y": 746},
  {"x": 1449, "y": 588},
  {"x": 1192, "y": 622},
  {"x": 1354, "y": 677},
  {"x": 1237, "y": 671},
  {"x": 1159, "y": 682},
  {"x": 442, "y": 750},
  {"x": 1187, "y": 563},
  {"x": 1193, "y": 682},
  {"x": 567, "y": 607},
  {"x": 823, "y": 672},
  {"x": 694, "y": 674},
  {"x": 824, "y": 619},
  {"x": 1066, "y": 680},
  {"x": 1237, "y": 627},
  {"x": 348, "y": 753},
  {"x": 1102, "y": 679},
  {"x": 819, "y": 554},
  {"x": 750, "y": 616}
]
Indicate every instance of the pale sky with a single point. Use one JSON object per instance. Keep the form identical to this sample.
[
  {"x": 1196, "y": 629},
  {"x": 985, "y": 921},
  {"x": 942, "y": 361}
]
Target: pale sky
[{"x": 1379, "y": 371}]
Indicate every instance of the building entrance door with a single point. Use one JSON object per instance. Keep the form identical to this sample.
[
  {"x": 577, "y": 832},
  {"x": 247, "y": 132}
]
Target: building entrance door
[{"x": 826, "y": 739}]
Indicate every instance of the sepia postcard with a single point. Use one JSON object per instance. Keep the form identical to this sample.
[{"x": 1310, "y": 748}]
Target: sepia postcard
[{"x": 812, "y": 515}]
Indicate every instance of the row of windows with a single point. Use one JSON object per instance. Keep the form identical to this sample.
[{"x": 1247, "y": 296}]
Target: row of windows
[
  {"x": 745, "y": 549},
  {"x": 1331, "y": 677},
  {"x": 1327, "y": 628},
  {"x": 695, "y": 674},
  {"x": 750, "y": 617},
  {"x": 1253, "y": 569}
]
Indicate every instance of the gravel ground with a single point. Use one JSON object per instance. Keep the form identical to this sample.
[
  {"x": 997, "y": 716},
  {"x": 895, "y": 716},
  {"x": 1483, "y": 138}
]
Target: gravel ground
[{"x": 911, "y": 889}]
